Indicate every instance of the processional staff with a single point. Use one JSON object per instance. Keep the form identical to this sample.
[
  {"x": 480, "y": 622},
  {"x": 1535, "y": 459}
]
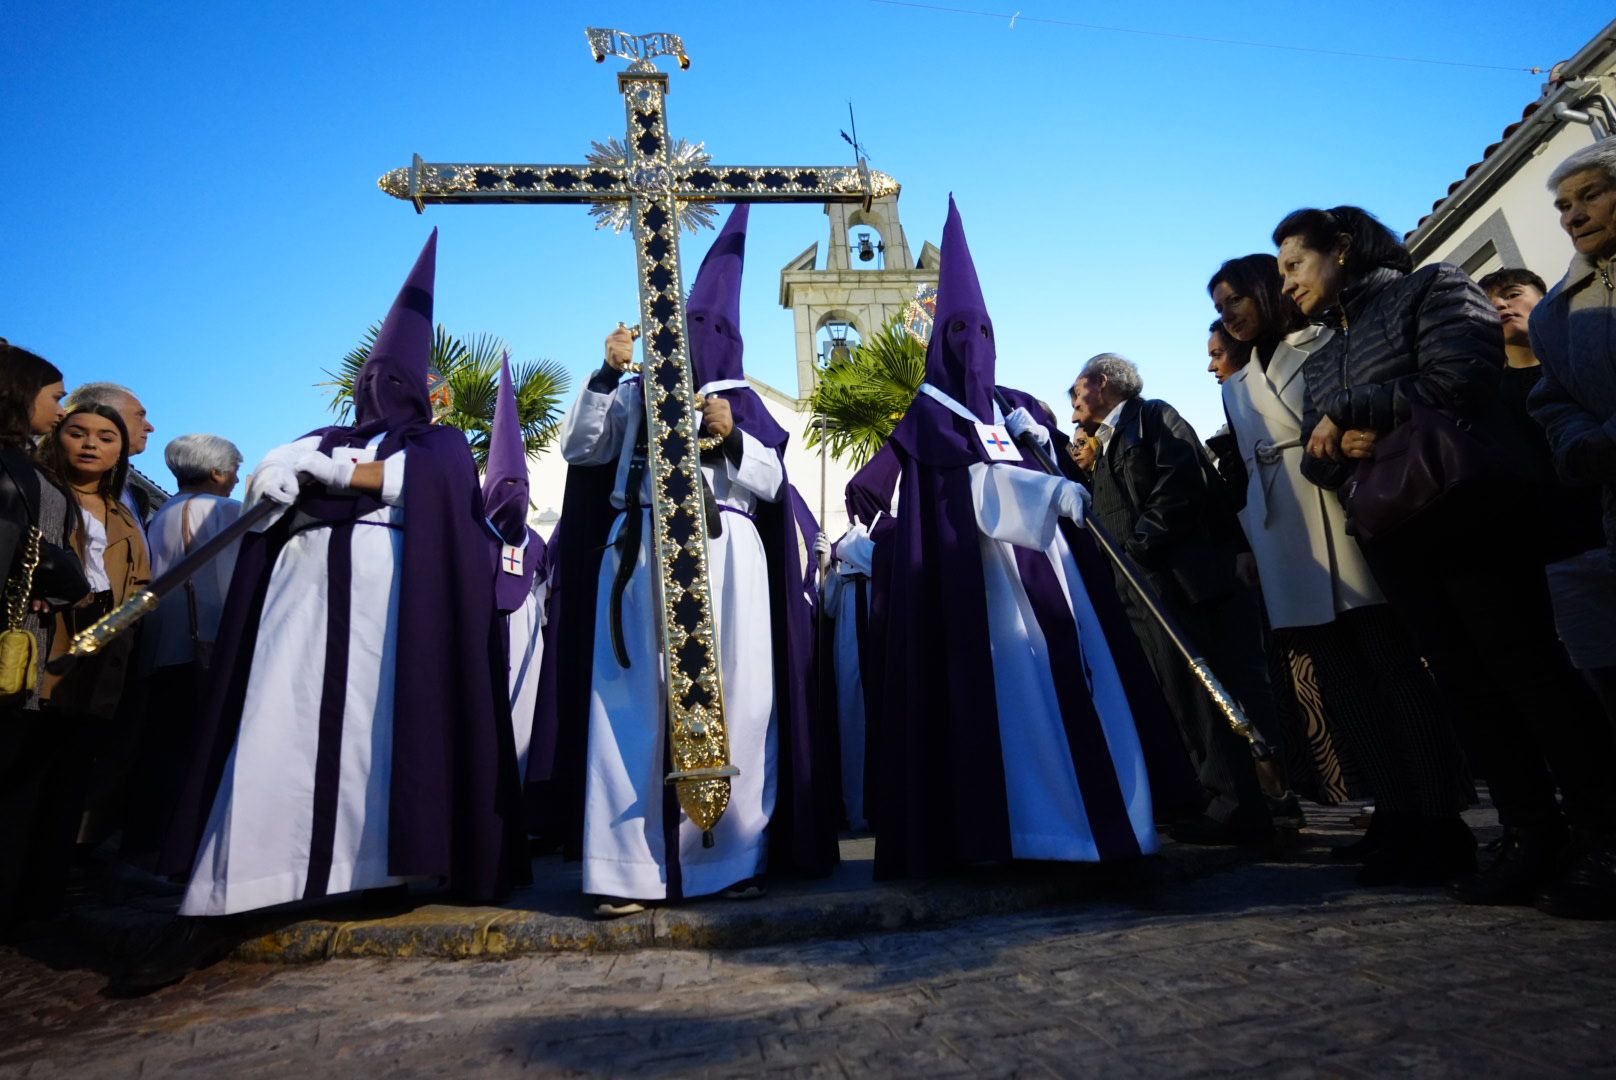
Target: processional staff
[{"x": 652, "y": 185}]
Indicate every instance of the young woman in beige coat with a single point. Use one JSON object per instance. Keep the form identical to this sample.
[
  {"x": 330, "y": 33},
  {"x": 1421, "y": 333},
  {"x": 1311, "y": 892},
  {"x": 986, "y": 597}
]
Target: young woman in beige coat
[{"x": 1325, "y": 609}]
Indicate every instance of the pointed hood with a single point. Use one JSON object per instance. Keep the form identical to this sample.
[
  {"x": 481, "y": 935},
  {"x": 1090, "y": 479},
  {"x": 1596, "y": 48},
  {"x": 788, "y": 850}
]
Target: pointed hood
[
  {"x": 961, "y": 356},
  {"x": 505, "y": 484},
  {"x": 713, "y": 315},
  {"x": 390, "y": 392},
  {"x": 714, "y": 310}
]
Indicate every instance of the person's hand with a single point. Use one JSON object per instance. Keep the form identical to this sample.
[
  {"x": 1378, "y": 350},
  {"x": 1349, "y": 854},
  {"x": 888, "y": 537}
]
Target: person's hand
[
  {"x": 327, "y": 470},
  {"x": 716, "y": 418},
  {"x": 1072, "y": 501},
  {"x": 1020, "y": 422},
  {"x": 273, "y": 481},
  {"x": 1359, "y": 443},
  {"x": 1083, "y": 450},
  {"x": 1245, "y": 568},
  {"x": 1325, "y": 442},
  {"x": 821, "y": 546},
  {"x": 619, "y": 349},
  {"x": 855, "y": 549}
]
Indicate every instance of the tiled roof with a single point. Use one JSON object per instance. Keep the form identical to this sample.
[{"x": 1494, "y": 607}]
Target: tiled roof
[{"x": 1526, "y": 114}]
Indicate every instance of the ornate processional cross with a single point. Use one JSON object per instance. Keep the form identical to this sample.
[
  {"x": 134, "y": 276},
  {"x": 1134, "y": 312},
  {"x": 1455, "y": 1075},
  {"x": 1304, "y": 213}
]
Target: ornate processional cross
[{"x": 652, "y": 186}]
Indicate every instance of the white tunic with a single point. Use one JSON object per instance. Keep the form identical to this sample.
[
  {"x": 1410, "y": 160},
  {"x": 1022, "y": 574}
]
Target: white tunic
[
  {"x": 526, "y": 625},
  {"x": 625, "y": 851},
  {"x": 1048, "y": 820},
  {"x": 256, "y": 848}
]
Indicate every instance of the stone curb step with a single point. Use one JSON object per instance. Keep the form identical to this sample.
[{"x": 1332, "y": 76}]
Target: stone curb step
[{"x": 441, "y": 931}]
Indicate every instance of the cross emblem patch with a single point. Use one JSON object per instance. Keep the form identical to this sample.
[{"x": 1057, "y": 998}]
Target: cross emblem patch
[
  {"x": 510, "y": 559},
  {"x": 997, "y": 442}
]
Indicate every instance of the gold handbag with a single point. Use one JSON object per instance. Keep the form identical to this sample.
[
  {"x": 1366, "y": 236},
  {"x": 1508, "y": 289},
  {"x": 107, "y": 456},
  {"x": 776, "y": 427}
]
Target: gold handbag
[{"x": 19, "y": 652}]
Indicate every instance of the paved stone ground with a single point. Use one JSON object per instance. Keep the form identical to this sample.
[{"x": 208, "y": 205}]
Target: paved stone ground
[{"x": 1272, "y": 968}]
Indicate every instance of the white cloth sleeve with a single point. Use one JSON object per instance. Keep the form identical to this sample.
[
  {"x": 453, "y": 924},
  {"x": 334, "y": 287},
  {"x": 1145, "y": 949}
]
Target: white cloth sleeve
[
  {"x": 393, "y": 479},
  {"x": 592, "y": 433},
  {"x": 282, "y": 458},
  {"x": 1016, "y": 505},
  {"x": 760, "y": 471}
]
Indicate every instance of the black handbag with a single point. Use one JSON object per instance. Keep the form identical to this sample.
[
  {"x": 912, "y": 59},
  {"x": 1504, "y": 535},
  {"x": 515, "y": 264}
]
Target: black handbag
[{"x": 1429, "y": 461}]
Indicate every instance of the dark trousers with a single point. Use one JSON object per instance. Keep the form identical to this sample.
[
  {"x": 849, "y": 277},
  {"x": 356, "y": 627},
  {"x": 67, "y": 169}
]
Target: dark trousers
[
  {"x": 1228, "y": 633},
  {"x": 1480, "y": 615},
  {"x": 42, "y": 786},
  {"x": 1386, "y": 711},
  {"x": 162, "y": 758}
]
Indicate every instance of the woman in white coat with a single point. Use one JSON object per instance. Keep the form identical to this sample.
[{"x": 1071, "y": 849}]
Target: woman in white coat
[{"x": 1322, "y": 602}]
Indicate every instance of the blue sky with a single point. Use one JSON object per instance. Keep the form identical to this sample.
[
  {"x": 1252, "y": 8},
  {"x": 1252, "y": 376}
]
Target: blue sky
[{"x": 192, "y": 206}]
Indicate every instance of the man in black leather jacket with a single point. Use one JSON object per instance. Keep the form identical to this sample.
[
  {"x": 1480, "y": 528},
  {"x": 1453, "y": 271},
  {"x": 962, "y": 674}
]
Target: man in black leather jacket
[{"x": 1158, "y": 494}]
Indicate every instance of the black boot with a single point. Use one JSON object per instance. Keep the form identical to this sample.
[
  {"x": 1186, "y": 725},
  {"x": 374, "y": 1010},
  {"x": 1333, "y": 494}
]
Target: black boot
[
  {"x": 1422, "y": 851},
  {"x": 1373, "y": 839},
  {"x": 1587, "y": 888},
  {"x": 189, "y": 944},
  {"x": 1526, "y": 860}
]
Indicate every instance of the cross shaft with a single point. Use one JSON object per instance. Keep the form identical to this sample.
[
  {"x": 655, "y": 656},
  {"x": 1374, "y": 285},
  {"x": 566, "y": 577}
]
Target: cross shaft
[{"x": 650, "y": 185}]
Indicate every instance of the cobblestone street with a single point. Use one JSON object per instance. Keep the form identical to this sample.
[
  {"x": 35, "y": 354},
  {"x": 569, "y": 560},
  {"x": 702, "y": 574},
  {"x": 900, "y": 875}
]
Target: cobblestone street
[{"x": 1272, "y": 968}]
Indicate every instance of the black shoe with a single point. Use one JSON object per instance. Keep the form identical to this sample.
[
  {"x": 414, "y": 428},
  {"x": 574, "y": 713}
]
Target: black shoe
[
  {"x": 1381, "y": 825},
  {"x": 1525, "y": 861},
  {"x": 1210, "y": 831},
  {"x": 1287, "y": 813},
  {"x": 189, "y": 944},
  {"x": 1587, "y": 888},
  {"x": 1421, "y": 852}
]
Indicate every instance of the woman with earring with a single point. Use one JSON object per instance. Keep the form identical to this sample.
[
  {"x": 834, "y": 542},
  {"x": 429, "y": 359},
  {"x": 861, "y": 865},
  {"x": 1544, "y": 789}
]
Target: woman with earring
[
  {"x": 1419, "y": 353},
  {"x": 32, "y": 747},
  {"x": 1358, "y": 680}
]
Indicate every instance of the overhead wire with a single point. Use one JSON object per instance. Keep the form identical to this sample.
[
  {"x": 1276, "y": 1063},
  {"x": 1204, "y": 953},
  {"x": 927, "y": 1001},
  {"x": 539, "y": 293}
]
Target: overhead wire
[{"x": 1015, "y": 17}]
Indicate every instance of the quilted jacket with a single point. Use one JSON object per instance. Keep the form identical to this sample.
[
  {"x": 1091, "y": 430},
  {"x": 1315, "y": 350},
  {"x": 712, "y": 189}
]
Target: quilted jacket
[{"x": 1431, "y": 334}]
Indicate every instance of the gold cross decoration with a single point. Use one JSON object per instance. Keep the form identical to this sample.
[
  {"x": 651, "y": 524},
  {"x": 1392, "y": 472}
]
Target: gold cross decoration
[{"x": 652, "y": 185}]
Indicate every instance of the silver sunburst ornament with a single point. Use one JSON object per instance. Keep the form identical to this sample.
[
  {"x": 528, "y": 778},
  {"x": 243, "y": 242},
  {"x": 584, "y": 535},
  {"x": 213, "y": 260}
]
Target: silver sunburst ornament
[{"x": 611, "y": 154}]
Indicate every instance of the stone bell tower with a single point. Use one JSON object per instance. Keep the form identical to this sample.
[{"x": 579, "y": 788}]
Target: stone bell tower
[{"x": 869, "y": 276}]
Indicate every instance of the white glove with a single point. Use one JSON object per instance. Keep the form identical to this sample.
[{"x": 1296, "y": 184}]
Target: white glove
[
  {"x": 1072, "y": 501},
  {"x": 1020, "y": 422},
  {"x": 273, "y": 481},
  {"x": 821, "y": 546},
  {"x": 327, "y": 470},
  {"x": 855, "y": 550}
]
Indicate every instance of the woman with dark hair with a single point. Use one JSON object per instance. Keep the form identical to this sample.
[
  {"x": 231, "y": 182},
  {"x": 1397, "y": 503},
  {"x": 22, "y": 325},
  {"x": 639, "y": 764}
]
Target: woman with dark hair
[
  {"x": 1225, "y": 355},
  {"x": 88, "y": 453},
  {"x": 33, "y": 746},
  {"x": 1358, "y": 679},
  {"x": 1427, "y": 342}
]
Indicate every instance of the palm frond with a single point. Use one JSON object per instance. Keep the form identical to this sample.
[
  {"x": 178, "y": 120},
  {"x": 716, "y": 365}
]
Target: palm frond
[
  {"x": 860, "y": 399},
  {"x": 470, "y": 367}
]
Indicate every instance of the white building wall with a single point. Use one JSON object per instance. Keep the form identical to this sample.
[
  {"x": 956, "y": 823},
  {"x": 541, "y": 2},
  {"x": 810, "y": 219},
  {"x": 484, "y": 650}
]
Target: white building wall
[{"x": 1525, "y": 207}]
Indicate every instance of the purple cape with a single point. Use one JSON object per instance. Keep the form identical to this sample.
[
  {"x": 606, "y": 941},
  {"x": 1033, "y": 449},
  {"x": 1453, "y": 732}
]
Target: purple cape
[
  {"x": 455, "y": 807},
  {"x": 940, "y": 800}
]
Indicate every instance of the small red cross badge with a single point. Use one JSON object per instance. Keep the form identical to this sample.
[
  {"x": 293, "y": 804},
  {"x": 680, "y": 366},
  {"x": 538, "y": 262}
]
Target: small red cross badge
[
  {"x": 997, "y": 442},
  {"x": 510, "y": 559}
]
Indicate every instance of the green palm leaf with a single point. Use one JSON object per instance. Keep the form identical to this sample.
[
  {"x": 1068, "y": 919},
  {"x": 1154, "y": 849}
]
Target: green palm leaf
[
  {"x": 860, "y": 399},
  {"x": 470, "y": 367}
]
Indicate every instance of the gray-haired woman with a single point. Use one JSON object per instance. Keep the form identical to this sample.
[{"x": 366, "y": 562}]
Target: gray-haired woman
[{"x": 177, "y": 637}]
